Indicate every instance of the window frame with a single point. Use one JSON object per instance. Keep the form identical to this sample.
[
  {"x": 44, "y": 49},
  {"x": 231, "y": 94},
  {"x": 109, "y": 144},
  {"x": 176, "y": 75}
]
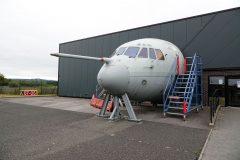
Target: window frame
[
  {"x": 154, "y": 52},
  {"x": 162, "y": 58},
  {"x": 141, "y": 51},
  {"x": 135, "y": 54},
  {"x": 122, "y": 52}
]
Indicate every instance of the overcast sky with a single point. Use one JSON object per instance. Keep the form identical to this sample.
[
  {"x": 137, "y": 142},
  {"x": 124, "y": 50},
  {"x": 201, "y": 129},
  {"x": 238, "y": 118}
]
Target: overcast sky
[{"x": 31, "y": 29}]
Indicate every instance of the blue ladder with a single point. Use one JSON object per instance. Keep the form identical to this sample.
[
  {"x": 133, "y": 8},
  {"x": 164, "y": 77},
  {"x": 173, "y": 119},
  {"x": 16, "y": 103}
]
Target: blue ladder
[{"x": 183, "y": 92}]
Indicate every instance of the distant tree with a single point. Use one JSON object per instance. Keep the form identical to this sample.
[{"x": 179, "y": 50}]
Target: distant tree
[
  {"x": 51, "y": 83},
  {"x": 3, "y": 80},
  {"x": 13, "y": 84},
  {"x": 1, "y": 77}
]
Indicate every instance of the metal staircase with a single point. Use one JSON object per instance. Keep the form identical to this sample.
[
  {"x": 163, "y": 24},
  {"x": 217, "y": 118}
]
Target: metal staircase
[{"x": 183, "y": 92}]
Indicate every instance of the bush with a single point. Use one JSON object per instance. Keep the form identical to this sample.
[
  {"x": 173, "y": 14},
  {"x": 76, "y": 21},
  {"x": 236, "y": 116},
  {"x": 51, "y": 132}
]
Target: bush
[
  {"x": 13, "y": 84},
  {"x": 3, "y": 80}
]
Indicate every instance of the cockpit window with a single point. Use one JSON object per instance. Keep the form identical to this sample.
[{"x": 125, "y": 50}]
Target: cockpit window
[
  {"x": 152, "y": 54},
  {"x": 132, "y": 51},
  {"x": 143, "y": 53},
  {"x": 121, "y": 50},
  {"x": 159, "y": 54}
]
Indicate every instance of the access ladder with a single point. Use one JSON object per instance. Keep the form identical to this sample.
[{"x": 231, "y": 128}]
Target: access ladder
[{"x": 183, "y": 92}]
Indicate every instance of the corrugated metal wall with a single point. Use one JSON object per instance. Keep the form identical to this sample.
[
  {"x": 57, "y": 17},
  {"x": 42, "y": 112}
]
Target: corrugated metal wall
[{"x": 216, "y": 37}]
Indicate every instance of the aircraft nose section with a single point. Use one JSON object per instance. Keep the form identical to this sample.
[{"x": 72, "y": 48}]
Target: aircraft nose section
[{"x": 114, "y": 79}]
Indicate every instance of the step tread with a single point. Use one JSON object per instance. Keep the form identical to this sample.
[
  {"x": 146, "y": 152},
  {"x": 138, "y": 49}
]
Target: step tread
[
  {"x": 187, "y": 78},
  {"x": 175, "y": 102},
  {"x": 183, "y": 74},
  {"x": 180, "y": 98},
  {"x": 173, "y": 113},
  {"x": 175, "y": 108}
]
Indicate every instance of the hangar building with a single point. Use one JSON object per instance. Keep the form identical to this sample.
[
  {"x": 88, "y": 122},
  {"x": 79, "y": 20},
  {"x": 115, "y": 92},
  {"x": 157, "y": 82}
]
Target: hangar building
[{"x": 214, "y": 36}]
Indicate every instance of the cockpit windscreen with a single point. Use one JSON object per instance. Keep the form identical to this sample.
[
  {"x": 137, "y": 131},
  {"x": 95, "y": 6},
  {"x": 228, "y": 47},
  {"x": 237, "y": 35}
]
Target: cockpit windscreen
[
  {"x": 143, "y": 53},
  {"x": 121, "y": 50},
  {"x": 132, "y": 51}
]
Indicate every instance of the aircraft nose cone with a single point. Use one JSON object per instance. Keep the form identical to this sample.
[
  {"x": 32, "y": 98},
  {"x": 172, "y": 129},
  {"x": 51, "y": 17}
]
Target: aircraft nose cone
[{"x": 114, "y": 79}]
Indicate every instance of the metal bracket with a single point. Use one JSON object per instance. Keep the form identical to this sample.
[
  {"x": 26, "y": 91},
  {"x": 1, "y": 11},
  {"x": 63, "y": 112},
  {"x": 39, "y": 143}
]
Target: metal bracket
[{"x": 116, "y": 111}]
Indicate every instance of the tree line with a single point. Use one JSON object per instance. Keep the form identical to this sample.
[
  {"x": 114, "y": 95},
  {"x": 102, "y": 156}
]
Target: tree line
[{"x": 25, "y": 82}]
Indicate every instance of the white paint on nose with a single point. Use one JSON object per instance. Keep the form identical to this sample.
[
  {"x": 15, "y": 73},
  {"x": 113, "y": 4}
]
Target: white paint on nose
[{"x": 114, "y": 78}]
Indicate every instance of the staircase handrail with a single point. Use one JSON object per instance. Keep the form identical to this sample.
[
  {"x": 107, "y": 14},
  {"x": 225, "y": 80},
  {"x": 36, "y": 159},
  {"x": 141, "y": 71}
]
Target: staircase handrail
[
  {"x": 167, "y": 89},
  {"x": 171, "y": 78},
  {"x": 187, "y": 94},
  {"x": 192, "y": 71}
]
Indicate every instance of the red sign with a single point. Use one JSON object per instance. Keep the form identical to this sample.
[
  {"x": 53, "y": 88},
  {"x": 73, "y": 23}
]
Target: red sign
[{"x": 28, "y": 92}]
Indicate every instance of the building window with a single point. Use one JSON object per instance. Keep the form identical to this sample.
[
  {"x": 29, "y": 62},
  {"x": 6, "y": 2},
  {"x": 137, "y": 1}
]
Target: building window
[
  {"x": 159, "y": 54},
  {"x": 143, "y": 53},
  {"x": 152, "y": 54},
  {"x": 216, "y": 88},
  {"x": 132, "y": 52},
  {"x": 234, "y": 82},
  {"x": 217, "y": 80}
]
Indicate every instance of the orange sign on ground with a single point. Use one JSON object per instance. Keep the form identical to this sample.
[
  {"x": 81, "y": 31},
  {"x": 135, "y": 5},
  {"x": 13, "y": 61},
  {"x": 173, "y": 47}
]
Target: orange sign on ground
[{"x": 28, "y": 92}]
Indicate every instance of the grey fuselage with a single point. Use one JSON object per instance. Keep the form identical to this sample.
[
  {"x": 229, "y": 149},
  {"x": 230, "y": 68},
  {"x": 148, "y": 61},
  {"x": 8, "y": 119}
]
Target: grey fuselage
[{"x": 143, "y": 79}]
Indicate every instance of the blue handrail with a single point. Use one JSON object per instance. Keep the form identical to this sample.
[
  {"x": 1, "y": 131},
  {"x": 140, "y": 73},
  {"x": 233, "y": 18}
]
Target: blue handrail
[
  {"x": 188, "y": 93},
  {"x": 167, "y": 89}
]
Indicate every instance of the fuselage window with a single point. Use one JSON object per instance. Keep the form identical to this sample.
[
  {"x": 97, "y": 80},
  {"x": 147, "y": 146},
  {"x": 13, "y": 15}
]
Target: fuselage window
[
  {"x": 143, "y": 53},
  {"x": 159, "y": 54},
  {"x": 152, "y": 54},
  {"x": 121, "y": 50},
  {"x": 132, "y": 51}
]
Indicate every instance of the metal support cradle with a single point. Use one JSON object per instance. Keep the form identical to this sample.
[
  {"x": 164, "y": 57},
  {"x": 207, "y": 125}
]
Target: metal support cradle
[{"x": 116, "y": 114}]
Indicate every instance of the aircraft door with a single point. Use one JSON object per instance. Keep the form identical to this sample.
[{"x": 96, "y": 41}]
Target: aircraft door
[
  {"x": 143, "y": 62},
  {"x": 143, "y": 69}
]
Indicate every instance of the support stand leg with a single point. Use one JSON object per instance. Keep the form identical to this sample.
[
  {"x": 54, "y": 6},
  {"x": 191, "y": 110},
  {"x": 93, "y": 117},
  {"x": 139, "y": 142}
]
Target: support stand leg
[
  {"x": 116, "y": 111},
  {"x": 131, "y": 113},
  {"x": 120, "y": 102},
  {"x": 104, "y": 107}
]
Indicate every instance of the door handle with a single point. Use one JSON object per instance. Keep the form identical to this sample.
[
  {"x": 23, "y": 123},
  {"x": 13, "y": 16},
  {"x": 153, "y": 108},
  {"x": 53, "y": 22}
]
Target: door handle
[{"x": 150, "y": 66}]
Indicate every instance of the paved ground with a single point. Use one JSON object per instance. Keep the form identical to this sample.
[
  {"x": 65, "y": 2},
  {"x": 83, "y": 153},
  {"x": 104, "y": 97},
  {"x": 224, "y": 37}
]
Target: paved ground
[
  {"x": 224, "y": 143},
  {"x": 148, "y": 113},
  {"x": 63, "y": 103},
  {"x": 32, "y": 132}
]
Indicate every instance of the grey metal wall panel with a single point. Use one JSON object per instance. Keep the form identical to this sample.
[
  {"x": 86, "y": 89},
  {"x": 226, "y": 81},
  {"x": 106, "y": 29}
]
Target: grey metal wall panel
[
  {"x": 133, "y": 35},
  {"x": 222, "y": 38},
  {"x": 106, "y": 45},
  {"x": 114, "y": 41},
  {"x": 228, "y": 54},
  {"x": 99, "y": 47},
  {"x": 155, "y": 31},
  {"x": 144, "y": 32},
  {"x": 84, "y": 70},
  {"x": 216, "y": 37},
  {"x": 180, "y": 34},
  {"x": 167, "y": 31},
  {"x": 212, "y": 40},
  {"x": 206, "y": 19},
  {"x": 193, "y": 27},
  {"x": 91, "y": 74},
  {"x": 123, "y": 37}
]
